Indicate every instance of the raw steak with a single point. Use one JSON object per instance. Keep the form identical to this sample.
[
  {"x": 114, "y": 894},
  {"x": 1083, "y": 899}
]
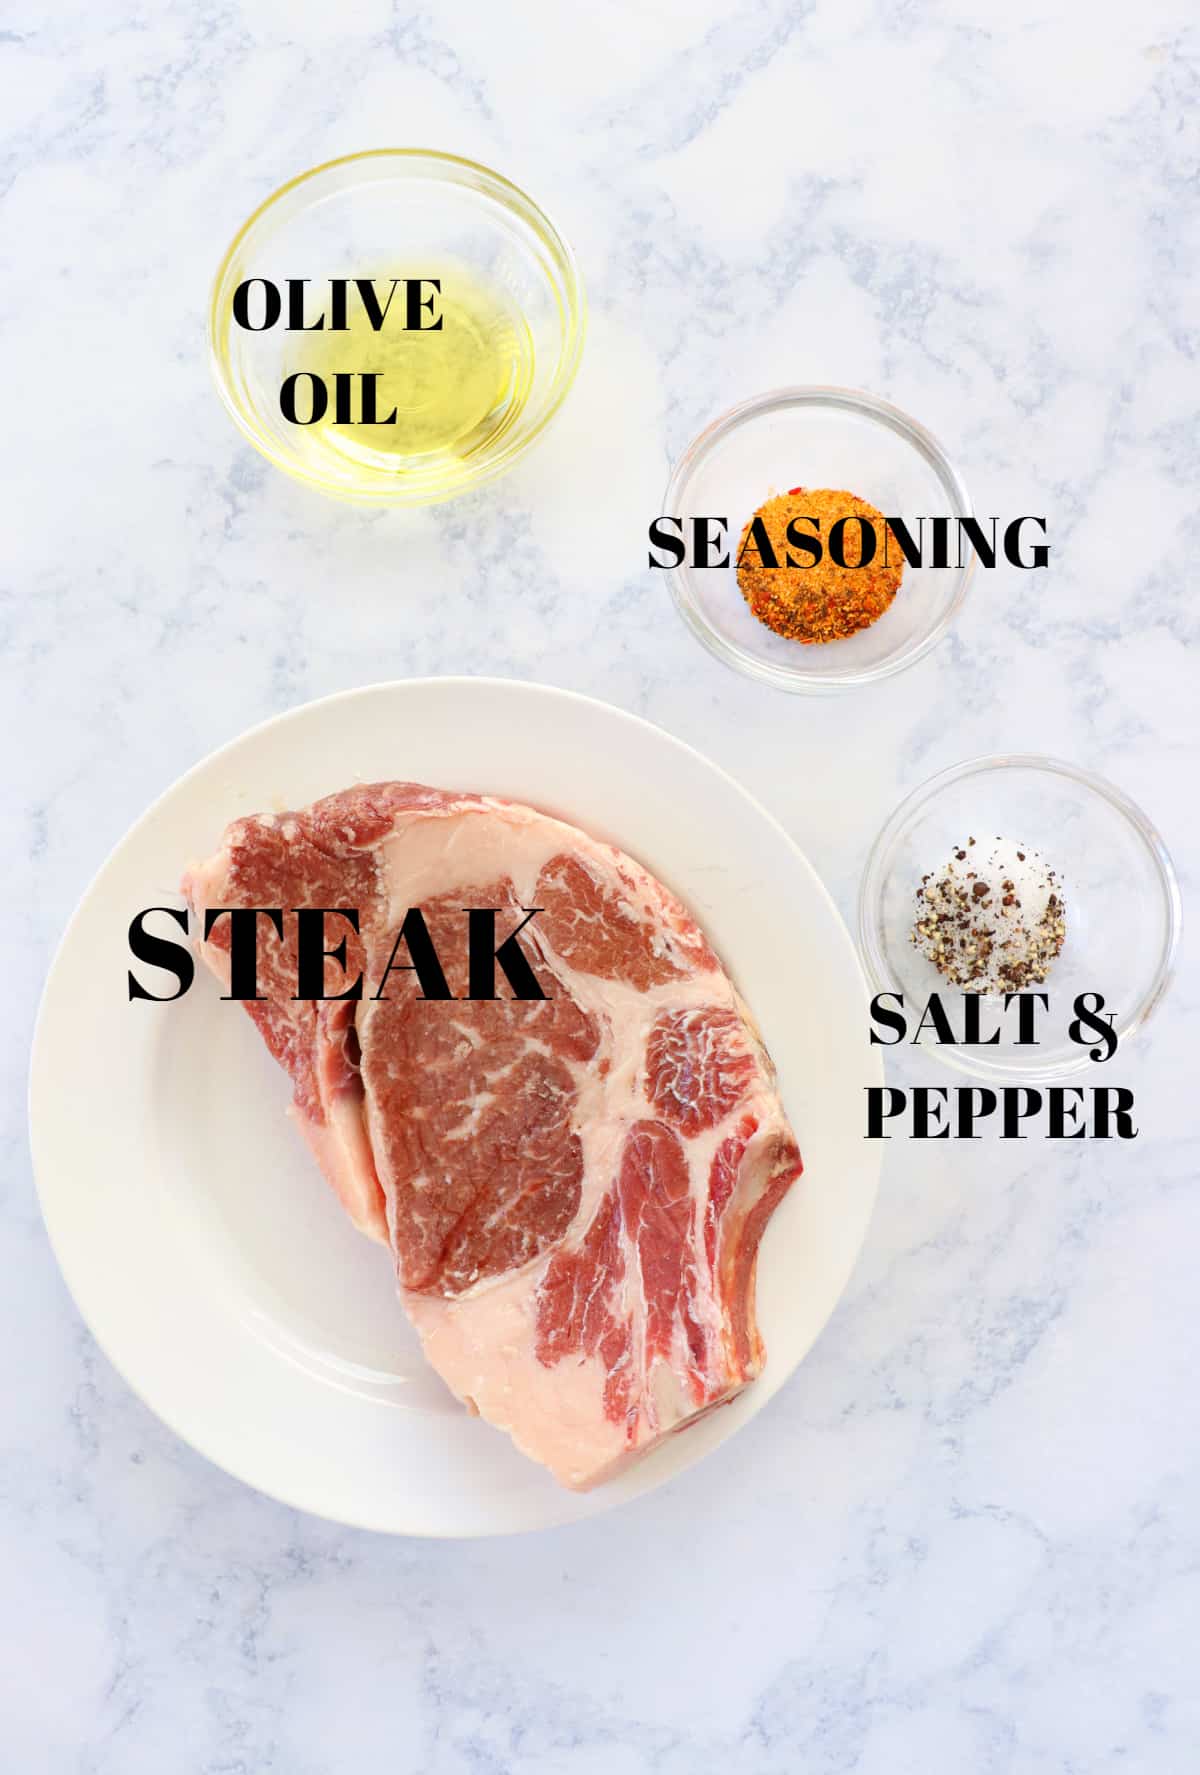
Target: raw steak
[{"x": 573, "y": 1188}]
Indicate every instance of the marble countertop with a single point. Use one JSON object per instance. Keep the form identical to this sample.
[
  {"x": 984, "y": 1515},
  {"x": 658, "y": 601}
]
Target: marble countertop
[{"x": 964, "y": 1536}]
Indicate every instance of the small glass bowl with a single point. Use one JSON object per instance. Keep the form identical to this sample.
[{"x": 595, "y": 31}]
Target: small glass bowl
[
  {"x": 1120, "y": 895},
  {"x": 817, "y": 437},
  {"x": 399, "y": 211}
]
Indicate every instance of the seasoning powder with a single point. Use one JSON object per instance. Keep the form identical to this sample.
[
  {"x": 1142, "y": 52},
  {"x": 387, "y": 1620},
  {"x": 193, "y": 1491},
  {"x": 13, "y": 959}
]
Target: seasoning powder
[{"x": 818, "y": 600}]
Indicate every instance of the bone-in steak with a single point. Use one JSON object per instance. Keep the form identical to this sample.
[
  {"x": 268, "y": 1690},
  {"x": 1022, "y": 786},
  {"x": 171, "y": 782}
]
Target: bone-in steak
[{"x": 573, "y": 1188}]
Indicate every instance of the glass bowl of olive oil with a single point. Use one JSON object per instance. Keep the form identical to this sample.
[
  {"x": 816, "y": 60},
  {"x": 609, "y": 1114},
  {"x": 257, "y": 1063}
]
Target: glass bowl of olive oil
[{"x": 396, "y": 327}]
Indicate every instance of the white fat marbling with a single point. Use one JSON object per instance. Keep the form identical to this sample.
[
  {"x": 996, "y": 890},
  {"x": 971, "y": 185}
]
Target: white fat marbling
[{"x": 964, "y": 1538}]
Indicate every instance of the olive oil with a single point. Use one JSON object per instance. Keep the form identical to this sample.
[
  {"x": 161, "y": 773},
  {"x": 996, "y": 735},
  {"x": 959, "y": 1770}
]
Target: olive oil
[{"x": 438, "y": 396}]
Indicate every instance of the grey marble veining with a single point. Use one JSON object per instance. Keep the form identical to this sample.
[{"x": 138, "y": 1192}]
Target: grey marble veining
[{"x": 964, "y": 1537}]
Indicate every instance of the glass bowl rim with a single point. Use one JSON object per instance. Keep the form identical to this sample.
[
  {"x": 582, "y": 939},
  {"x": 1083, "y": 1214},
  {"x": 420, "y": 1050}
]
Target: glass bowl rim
[
  {"x": 860, "y": 402},
  {"x": 454, "y": 169},
  {"x": 870, "y": 894}
]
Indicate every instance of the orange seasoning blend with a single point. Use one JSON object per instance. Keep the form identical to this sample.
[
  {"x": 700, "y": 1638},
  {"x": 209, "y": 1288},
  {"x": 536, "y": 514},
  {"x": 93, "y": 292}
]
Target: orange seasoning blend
[{"x": 818, "y": 600}]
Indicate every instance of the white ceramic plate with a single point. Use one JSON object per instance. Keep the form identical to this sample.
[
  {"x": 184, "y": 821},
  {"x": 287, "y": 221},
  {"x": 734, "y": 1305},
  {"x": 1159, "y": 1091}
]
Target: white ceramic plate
[{"x": 203, "y": 1248}]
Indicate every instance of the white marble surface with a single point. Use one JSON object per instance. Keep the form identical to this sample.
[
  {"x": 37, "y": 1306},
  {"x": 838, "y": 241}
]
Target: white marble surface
[{"x": 964, "y": 1537}]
